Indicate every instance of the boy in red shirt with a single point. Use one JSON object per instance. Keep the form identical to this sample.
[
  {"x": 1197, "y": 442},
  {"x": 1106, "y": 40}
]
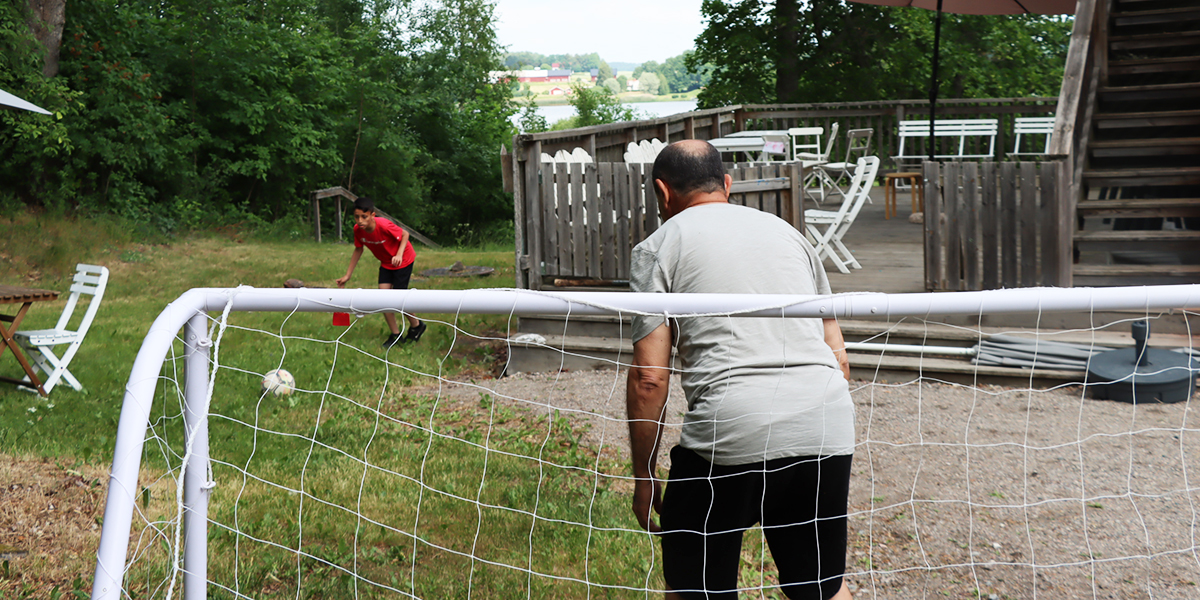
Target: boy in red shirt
[{"x": 389, "y": 243}]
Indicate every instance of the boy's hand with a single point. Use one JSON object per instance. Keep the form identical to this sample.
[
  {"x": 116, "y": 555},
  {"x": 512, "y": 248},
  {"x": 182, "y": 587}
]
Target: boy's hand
[
  {"x": 396, "y": 260},
  {"x": 341, "y": 281}
]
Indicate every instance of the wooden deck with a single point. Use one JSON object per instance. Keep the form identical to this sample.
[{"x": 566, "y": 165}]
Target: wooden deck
[{"x": 891, "y": 251}]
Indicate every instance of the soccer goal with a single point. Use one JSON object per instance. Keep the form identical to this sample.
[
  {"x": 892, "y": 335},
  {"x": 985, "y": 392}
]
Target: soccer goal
[{"x": 988, "y": 463}]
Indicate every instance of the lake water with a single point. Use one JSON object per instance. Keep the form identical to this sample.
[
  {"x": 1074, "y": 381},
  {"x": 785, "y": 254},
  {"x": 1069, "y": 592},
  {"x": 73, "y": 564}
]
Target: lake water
[{"x": 649, "y": 110}]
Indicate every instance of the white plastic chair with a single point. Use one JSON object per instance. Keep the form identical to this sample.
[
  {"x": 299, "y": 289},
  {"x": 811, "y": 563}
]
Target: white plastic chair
[
  {"x": 1025, "y": 126},
  {"x": 811, "y": 161},
  {"x": 805, "y": 141},
  {"x": 39, "y": 344},
  {"x": 858, "y": 145},
  {"x": 828, "y": 242}
]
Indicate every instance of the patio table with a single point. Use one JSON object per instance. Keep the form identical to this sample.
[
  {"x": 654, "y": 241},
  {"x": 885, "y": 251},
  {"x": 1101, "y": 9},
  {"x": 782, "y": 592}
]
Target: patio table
[{"x": 25, "y": 297}]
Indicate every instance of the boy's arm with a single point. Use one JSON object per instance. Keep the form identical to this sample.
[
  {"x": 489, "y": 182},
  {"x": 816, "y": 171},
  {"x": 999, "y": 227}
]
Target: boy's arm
[
  {"x": 403, "y": 237},
  {"x": 341, "y": 282}
]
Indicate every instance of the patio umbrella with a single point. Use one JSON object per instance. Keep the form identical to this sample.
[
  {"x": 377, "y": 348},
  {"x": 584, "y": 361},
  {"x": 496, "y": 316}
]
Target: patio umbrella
[
  {"x": 971, "y": 7},
  {"x": 12, "y": 102}
]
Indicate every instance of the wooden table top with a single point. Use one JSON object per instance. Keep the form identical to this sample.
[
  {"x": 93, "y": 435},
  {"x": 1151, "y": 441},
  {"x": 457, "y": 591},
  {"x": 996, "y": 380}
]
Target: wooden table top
[{"x": 11, "y": 294}]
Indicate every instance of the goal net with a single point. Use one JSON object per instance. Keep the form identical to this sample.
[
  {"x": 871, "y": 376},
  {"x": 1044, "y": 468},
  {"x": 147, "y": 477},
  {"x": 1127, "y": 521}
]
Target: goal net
[{"x": 491, "y": 460}]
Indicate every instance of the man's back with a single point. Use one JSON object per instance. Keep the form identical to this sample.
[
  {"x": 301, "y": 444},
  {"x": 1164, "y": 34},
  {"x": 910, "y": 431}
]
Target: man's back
[{"x": 747, "y": 379}]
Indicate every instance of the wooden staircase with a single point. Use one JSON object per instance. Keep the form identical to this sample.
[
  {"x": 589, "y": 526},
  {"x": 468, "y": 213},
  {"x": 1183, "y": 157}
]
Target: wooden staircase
[{"x": 1140, "y": 222}]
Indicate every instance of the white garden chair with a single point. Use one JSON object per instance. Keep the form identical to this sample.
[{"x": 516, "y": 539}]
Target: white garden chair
[
  {"x": 39, "y": 344},
  {"x": 811, "y": 161},
  {"x": 828, "y": 241},
  {"x": 858, "y": 145}
]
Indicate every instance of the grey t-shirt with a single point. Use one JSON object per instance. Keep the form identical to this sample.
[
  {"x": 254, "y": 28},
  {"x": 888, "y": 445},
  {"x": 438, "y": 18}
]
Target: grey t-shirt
[{"x": 757, "y": 388}]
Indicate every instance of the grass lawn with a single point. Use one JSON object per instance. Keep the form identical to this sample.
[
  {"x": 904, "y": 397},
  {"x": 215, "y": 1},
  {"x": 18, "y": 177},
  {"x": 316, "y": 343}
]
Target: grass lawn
[{"x": 364, "y": 482}]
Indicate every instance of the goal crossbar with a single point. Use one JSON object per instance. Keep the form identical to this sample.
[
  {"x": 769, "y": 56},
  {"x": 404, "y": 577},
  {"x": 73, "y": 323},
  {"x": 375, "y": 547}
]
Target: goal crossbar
[{"x": 189, "y": 312}]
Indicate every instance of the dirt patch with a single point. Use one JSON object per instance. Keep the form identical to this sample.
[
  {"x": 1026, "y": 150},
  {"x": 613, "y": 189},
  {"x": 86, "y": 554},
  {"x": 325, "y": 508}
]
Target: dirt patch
[{"x": 50, "y": 517}]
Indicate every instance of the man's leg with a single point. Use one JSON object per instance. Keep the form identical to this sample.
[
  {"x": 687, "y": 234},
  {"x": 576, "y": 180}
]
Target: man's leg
[
  {"x": 804, "y": 521},
  {"x": 704, "y": 514}
]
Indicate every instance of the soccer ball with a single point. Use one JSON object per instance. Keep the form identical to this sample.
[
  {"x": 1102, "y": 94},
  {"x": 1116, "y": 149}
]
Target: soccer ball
[{"x": 278, "y": 382}]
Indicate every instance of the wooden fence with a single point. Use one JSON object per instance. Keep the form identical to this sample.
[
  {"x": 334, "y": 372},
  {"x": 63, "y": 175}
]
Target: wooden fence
[
  {"x": 581, "y": 221},
  {"x": 997, "y": 225},
  {"x": 607, "y": 143}
]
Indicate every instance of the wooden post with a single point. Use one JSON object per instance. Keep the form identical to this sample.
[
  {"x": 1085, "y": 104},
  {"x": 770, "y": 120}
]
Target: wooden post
[
  {"x": 796, "y": 196},
  {"x": 953, "y": 228},
  {"x": 581, "y": 210},
  {"x": 533, "y": 213},
  {"x": 689, "y": 128},
  {"x": 970, "y": 220},
  {"x": 592, "y": 203},
  {"x": 1064, "y": 219},
  {"x": 989, "y": 224},
  {"x": 316, "y": 212},
  {"x": 519, "y": 279},
  {"x": 559, "y": 246},
  {"x": 591, "y": 147},
  {"x": 715, "y": 127},
  {"x": 608, "y": 240},
  {"x": 1008, "y": 220},
  {"x": 338, "y": 207},
  {"x": 1029, "y": 225},
  {"x": 620, "y": 183},
  {"x": 933, "y": 226}
]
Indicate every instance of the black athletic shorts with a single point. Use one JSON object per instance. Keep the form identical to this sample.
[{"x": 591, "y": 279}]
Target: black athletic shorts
[
  {"x": 801, "y": 503},
  {"x": 397, "y": 277}
]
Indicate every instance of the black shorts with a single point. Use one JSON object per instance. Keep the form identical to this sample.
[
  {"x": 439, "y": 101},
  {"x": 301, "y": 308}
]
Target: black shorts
[
  {"x": 397, "y": 277},
  {"x": 801, "y": 503}
]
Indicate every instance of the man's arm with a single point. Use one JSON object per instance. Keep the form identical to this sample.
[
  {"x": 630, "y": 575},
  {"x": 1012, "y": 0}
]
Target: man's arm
[
  {"x": 341, "y": 282},
  {"x": 645, "y": 400},
  {"x": 833, "y": 337}
]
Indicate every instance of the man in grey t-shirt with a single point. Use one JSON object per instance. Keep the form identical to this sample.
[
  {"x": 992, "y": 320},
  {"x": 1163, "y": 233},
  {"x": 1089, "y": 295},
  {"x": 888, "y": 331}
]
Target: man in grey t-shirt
[{"x": 769, "y": 433}]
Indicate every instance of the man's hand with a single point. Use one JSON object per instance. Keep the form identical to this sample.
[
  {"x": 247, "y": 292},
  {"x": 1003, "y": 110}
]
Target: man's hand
[{"x": 647, "y": 494}]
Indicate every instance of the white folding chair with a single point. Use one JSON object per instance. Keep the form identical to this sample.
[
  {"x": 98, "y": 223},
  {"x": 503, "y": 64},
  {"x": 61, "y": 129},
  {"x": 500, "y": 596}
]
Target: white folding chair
[
  {"x": 39, "y": 344},
  {"x": 858, "y": 145},
  {"x": 812, "y": 160},
  {"x": 828, "y": 242}
]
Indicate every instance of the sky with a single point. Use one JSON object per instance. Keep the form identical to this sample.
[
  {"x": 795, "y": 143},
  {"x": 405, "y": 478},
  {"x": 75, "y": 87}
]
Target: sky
[{"x": 619, "y": 30}]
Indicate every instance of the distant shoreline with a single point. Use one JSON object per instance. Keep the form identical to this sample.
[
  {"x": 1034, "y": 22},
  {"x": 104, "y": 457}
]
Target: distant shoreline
[{"x": 562, "y": 101}]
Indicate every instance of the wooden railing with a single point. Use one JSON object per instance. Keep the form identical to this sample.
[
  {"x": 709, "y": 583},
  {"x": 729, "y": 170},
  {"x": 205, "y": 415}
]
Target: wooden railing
[
  {"x": 581, "y": 221},
  {"x": 607, "y": 143},
  {"x": 996, "y": 225}
]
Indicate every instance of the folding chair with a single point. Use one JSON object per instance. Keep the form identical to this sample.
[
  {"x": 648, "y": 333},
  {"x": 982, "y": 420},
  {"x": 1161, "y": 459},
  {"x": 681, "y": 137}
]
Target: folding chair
[
  {"x": 858, "y": 145},
  {"x": 39, "y": 344},
  {"x": 829, "y": 242},
  {"x": 812, "y": 160}
]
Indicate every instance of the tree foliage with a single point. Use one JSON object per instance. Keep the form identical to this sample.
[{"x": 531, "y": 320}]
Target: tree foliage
[
  {"x": 185, "y": 114},
  {"x": 574, "y": 62},
  {"x": 765, "y": 51},
  {"x": 597, "y": 106},
  {"x": 675, "y": 76}
]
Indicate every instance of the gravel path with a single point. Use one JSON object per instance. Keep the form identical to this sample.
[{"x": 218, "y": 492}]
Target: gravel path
[{"x": 988, "y": 492}]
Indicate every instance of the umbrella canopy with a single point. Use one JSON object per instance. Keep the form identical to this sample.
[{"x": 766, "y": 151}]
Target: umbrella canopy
[
  {"x": 971, "y": 7},
  {"x": 10, "y": 101}
]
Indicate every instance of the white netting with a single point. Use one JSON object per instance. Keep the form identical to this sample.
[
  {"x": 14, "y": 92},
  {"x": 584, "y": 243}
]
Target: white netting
[{"x": 416, "y": 472}]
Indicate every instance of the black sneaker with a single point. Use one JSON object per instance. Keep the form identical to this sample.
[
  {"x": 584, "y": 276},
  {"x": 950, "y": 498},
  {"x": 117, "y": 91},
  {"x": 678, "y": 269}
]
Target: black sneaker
[
  {"x": 392, "y": 340},
  {"x": 414, "y": 333}
]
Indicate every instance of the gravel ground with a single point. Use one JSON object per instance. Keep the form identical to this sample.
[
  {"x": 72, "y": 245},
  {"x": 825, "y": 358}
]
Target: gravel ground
[{"x": 988, "y": 492}]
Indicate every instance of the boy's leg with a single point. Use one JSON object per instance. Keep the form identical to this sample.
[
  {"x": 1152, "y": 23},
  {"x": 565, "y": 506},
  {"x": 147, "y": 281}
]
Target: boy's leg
[{"x": 393, "y": 326}]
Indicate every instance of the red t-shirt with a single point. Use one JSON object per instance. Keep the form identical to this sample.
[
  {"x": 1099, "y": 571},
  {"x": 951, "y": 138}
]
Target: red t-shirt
[{"x": 384, "y": 242}]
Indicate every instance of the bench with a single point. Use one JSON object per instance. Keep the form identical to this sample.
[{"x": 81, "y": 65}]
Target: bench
[
  {"x": 984, "y": 129},
  {"x": 1023, "y": 126}
]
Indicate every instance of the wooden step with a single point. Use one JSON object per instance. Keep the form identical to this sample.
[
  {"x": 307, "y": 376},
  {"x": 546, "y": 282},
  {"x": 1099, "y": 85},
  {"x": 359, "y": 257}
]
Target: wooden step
[
  {"x": 1147, "y": 207},
  {"x": 1153, "y": 65},
  {"x": 1085, "y": 275},
  {"x": 1161, "y": 91},
  {"x": 1150, "y": 17},
  {"x": 1145, "y": 147},
  {"x": 1166, "y": 118},
  {"x": 1164, "y": 240},
  {"x": 1145, "y": 41},
  {"x": 1142, "y": 176}
]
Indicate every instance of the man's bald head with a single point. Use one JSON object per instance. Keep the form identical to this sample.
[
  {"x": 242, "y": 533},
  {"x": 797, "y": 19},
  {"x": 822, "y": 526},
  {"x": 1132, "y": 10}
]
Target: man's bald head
[{"x": 690, "y": 166}]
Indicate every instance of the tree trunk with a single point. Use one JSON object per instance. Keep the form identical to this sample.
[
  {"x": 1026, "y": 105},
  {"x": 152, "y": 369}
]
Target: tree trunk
[
  {"x": 46, "y": 20},
  {"x": 787, "y": 60}
]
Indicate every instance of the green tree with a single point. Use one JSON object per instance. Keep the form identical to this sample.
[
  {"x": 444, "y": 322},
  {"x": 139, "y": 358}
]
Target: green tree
[
  {"x": 530, "y": 120},
  {"x": 649, "y": 82},
  {"x": 597, "y": 106},
  {"x": 763, "y": 51},
  {"x": 613, "y": 86}
]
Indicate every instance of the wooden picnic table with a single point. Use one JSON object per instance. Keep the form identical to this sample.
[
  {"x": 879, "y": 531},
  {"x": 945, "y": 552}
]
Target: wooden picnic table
[{"x": 10, "y": 294}]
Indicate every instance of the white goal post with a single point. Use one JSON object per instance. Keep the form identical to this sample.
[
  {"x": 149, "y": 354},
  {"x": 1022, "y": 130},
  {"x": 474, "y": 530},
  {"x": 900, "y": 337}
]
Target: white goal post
[{"x": 190, "y": 313}]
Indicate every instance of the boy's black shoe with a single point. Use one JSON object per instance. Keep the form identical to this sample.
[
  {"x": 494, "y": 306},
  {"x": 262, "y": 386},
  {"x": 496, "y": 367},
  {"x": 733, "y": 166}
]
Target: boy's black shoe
[
  {"x": 414, "y": 333},
  {"x": 392, "y": 340}
]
